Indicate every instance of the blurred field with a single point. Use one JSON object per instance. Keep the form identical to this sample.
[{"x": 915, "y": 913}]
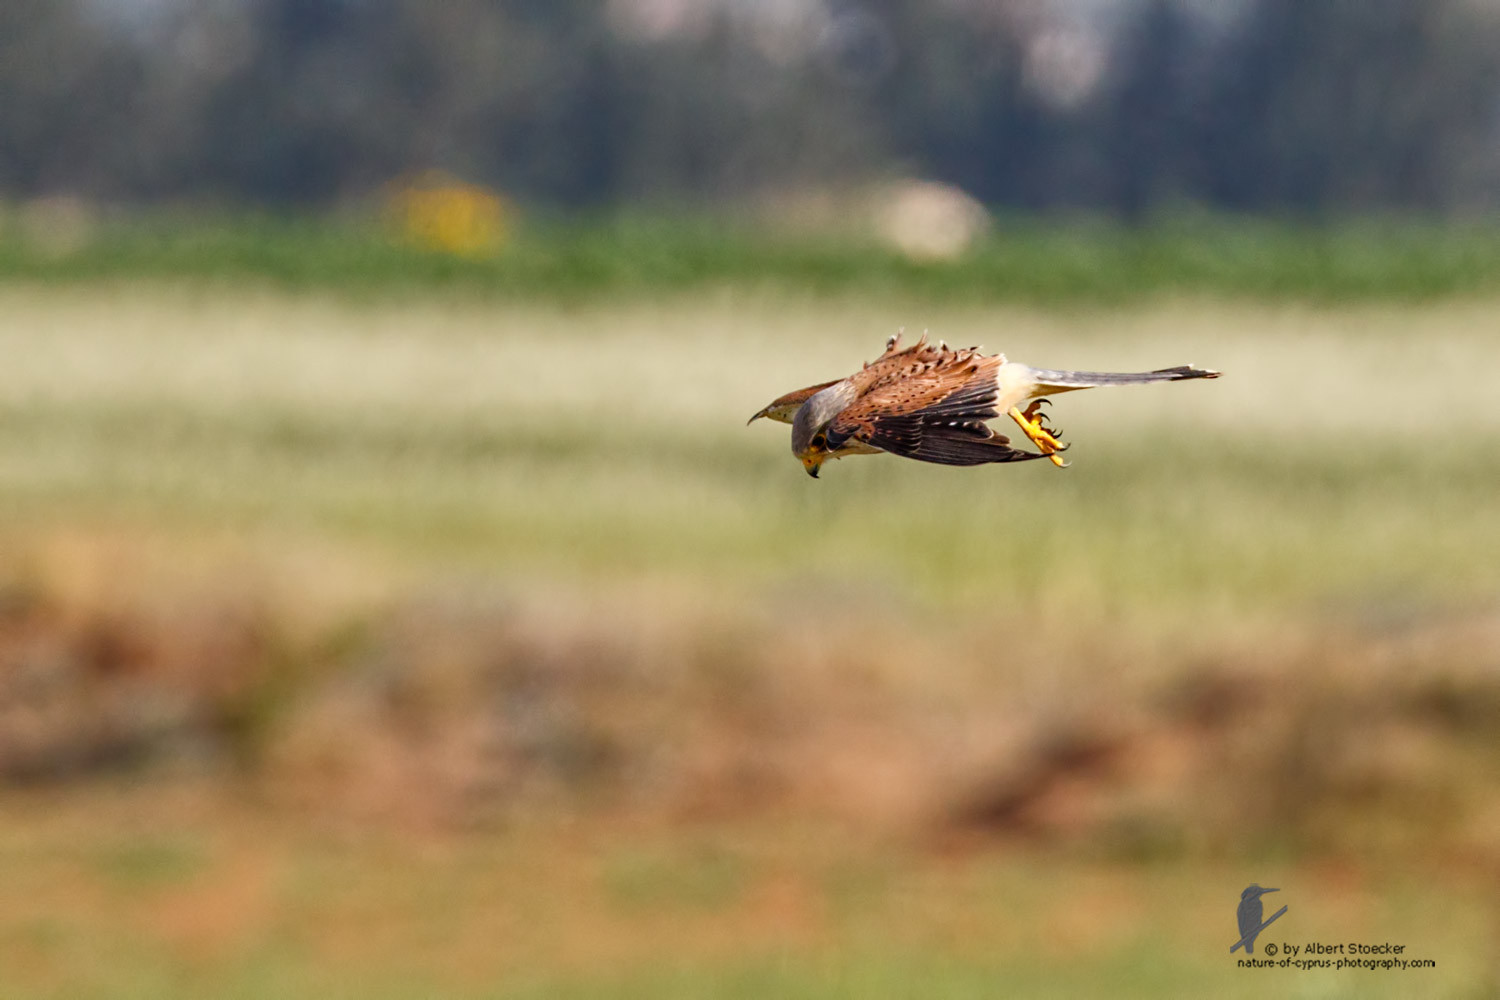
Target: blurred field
[
  {"x": 475, "y": 647},
  {"x": 154, "y": 897},
  {"x": 806, "y": 250},
  {"x": 1346, "y": 454}
]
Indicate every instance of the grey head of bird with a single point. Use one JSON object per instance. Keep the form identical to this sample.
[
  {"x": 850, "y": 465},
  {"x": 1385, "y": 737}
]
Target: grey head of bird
[
  {"x": 1254, "y": 891},
  {"x": 810, "y": 425}
]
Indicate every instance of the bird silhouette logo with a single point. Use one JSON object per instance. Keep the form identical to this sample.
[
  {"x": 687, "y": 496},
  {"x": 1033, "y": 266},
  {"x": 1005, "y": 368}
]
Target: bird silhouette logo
[{"x": 1249, "y": 916}]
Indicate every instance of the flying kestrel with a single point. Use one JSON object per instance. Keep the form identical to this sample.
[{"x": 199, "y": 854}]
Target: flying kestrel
[{"x": 931, "y": 404}]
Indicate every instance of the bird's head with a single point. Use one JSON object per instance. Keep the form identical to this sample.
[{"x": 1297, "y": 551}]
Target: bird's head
[
  {"x": 1253, "y": 891},
  {"x": 810, "y": 425}
]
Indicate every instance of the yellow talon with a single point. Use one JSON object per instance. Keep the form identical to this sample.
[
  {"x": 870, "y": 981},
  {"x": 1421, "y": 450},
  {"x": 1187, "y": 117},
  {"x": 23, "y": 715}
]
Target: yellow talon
[{"x": 1031, "y": 423}]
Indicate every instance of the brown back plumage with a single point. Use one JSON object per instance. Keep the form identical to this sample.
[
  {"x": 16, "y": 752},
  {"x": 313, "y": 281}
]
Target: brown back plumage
[{"x": 928, "y": 403}]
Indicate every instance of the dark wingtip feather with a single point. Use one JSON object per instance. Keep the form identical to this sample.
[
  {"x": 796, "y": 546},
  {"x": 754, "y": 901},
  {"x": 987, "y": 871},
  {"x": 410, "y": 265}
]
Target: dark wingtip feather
[{"x": 966, "y": 446}]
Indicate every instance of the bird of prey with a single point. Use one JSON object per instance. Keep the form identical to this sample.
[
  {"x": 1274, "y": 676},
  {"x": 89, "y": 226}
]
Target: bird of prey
[{"x": 932, "y": 403}]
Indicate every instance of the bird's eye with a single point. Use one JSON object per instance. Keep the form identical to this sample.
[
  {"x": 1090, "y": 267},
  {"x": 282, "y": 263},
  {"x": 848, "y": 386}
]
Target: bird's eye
[{"x": 819, "y": 440}]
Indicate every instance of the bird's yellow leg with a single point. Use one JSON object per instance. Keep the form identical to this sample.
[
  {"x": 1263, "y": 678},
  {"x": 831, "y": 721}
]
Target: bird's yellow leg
[{"x": 1033, "y": 423}]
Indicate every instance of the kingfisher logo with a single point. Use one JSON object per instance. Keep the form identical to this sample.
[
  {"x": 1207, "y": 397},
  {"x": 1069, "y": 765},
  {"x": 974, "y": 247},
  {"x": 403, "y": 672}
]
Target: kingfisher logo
[
  {"x": 1306, "y": 954},
  {"x": 1249, "y": 915}
]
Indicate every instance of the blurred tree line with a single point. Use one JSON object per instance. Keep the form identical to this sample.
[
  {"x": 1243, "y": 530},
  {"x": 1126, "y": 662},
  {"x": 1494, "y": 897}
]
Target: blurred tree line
[{"x": 1288, "y": 106}]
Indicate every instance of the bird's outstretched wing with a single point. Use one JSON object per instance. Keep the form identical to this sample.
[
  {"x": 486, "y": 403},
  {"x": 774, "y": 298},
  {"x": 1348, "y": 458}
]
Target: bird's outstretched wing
[
  {"x": 930, "y": 404},
  {"x": 782, "y": 408}
]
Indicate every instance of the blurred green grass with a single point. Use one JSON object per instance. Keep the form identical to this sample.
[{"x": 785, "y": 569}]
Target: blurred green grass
[
  {"x": 1339, "y": 478},
  {"x": 1173, "y": 521},
  {"x": 538, "y": 912},
  {"x": 1027, "y": 260}
]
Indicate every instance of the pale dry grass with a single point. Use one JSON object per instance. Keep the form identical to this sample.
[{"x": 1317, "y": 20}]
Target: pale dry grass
[
  {"x": 694, "y": 368},
  {"x": 1346, "y": 452}
]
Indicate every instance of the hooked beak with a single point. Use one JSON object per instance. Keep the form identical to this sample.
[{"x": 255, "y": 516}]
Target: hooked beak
[
  {"x": 812, "y": 470},
  {"x": 757, "y": 416}
]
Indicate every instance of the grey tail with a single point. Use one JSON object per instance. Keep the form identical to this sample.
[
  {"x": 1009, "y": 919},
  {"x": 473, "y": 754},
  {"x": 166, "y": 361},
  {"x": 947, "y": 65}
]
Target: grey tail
[{"x": 1049, "y": 381}]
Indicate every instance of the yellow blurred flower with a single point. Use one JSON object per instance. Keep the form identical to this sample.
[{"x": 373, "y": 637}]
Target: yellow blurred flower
[{"x": 438, "y": 212}]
